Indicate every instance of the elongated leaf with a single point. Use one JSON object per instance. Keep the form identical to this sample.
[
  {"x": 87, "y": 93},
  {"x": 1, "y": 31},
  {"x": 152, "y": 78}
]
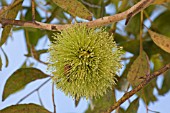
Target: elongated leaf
[
  {"x": 75, "y": 8},
  {"x": 0, "y": 63},
  {"x": 6, "y": 58},
  {"x": 133, "y": 108},
  {"x": 11, "y": 14},
  {"x": 138, "y": 70},
  {"x": 160, "y": 40},
  {"x": 20, "y": 78},
  {"x": 24, "y": 108}
]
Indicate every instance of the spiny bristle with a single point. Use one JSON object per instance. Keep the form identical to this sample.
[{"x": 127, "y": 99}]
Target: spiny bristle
[{"x": 84, "y": 61}]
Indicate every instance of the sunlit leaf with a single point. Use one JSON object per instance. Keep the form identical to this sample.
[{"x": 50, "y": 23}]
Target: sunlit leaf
[
  {"x": 20, "y": 78},
  {"x": 138, "y": 70},
  {"x": 160, "y": 40},
  {"x": 24, "y": 108},
  {"x": 157, "y": 61},
  {"x": 103, "y": 103},
  {"x": 133, "y": 108},
  {"x": 11, "y": 14},
  {"x": 75, "y": 8}
]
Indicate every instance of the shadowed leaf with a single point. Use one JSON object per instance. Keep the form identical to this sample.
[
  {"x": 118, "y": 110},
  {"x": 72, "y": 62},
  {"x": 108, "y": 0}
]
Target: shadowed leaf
[
  {"x": 138, "y": 70},
  {"x": 75, "y": 8},
  {"x": 20, "y": 78},
  {"x": 11, "y": 14},
  {"x": 103, "y": 103},
  {"x": 165, "y": 86},
  {"x": 24, "y": 108},
  {"x": 147, "y": 93},
  {"x": 160, "y": 40},
  {"x": 133, "y": 108}
]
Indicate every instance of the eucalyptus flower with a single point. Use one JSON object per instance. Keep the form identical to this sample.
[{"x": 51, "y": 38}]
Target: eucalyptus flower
[{"x": 84, "y": 61}]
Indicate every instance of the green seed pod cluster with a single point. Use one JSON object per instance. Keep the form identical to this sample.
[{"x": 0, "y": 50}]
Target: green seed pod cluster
[{"x": 84, "y": 61}]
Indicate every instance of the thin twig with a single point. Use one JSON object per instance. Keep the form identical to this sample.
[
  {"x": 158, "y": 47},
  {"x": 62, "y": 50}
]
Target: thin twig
[
  {"x": 127, "y": 95},
  {"x": 53, "y": 98},
  {"x": 33, "y": 91},
  {"x": 96, "y": 23},
  {"x": 141, "y": 32},
  {"x": 41, "y": 103},
  {"x": 33, "y": 9}
]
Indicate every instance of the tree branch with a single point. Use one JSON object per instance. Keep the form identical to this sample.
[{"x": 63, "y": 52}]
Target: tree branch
[
  {"x": 95, "y": 23},
  {"x": 33, "y": 91},
  {"x": 139, "y": 87}
]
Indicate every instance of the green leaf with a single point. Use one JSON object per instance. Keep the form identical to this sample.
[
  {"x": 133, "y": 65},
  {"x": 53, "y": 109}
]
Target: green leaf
[
  {"x": 165, "y": 84},
  {"x": 160, "y": 40},
  {"x": 161, "y": 24},
  {"x": 123, "y": 83},
  {"x": 11, "y": 14},
  {"x": 157, "y": 61},
  {"x": 20, "y": 78},
  {"x": 32, "y": 34},
  {"x": 103, "y": 103},
  {"x": 6, "y": 58},
  {"x": 75, "y": 8},
  {"x": 133, "y": 26},
  {"x": 138, "y": 70},
  {"x": 133, "y": 108},
  {"x": 147, "y": 93},
  {"x": 0, "y": 63},
  {"x": 24, "y": 108}
]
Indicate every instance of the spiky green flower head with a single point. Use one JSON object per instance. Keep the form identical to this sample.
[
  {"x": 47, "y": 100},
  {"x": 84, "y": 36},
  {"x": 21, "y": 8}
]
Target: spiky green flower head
[{"x": 84, "y": 61}]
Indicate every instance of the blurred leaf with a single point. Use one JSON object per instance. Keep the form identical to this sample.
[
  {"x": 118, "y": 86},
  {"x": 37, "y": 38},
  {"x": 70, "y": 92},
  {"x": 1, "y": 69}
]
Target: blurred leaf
[
  {"x": 160, "y": 1},
  {"x": 123, "y": 83},
  {"x": 33, "y": 34},
  {"x": 75, "y": 8},
  {"x": 147, "y": 93},
  {"x": 103, "y": 103},
  {"x": 20, "y": 78},
  {"x": 138, "y": 70},
  {"x": 160, "y": 40},
  {"x": 165, "y": 84},
  {"x": 28, "y": 15},
  {"x": 11, "y": 14},
  {"x": 161, "y": 24},
  {"x": 157, "y": 61},
  {"x": 133, "y": 26},
  {"x": 131, "y": 46},
  {"x": 0, "y": 63},
  {"x": 133, "y": 107},
  {"x": 119, "y": 38},
  {"x": 6, "y": 58},
  {"x": 24, "y": 108}
]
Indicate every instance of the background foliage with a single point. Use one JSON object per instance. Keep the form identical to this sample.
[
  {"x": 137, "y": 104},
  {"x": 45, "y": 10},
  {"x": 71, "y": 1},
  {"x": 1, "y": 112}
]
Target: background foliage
[{"x": 156, "y": 18}]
